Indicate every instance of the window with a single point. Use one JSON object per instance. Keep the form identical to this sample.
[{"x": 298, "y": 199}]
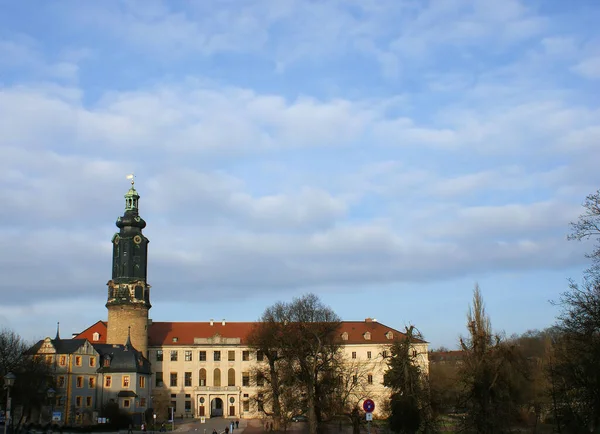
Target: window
[
  {"x": 126, "y": 381},
  {"x": 77, "y": 360},
  {"x": 92, "y": 362},
  {"x": 174, "y": 405},
  {"x": 173, "y": 355},
  {"x": 370, "y": 378},
  {"x": 159, "y": 356},
  {"x": 202, "y": 377},
  {"x": 389, "y": 335},
  {"x": 173, "y": 395},
  {"x": 108, "y": 381},
  {"x": 173, "y": 379},
  {"x": 92, "y": 382},
  {"x": 187, "y": 379},
  {"x": 188, "y": 395},
  {"x": 188, "y": 406},
  {"x": 88, "y": 401},
  {"x": 188, "y": 355},
  {"x": 246, "y": 379},
  {"x": 414, "y": 353},
  {"x": 367, "y": 336},
  {"x": 106, "y": 362},
  {"x": 231, "y": 356},
  {"x": 260, "y": 356},
  {"x": 142, "y": 402},
  {"x": 78, "y": 401},
  {"x": 60, "y": 382},
  {"x": 217, "y": 356},
  {"x": 202, "y": 356},
  {"x": 245, "y": 356},
  {"x": 96, "y": 337},
  {"x": 62, "y": 361},
  {"x": 79, "y": 382},
  {"x": 217, "y": 377},
  {"x": 368, "y": 354},
  {"x": 159, "y": 379},
  {"x": 354, "y": 354},
  {"x": 231, "y": 377},
  {"x": 175, "y": 339},
  {"x": 49, "y": 360},
  {"x": 260, "y": 379},
  {"x": 142, "y": 382},
  {"x": 126, "y": 403},
  {"x": 345, "y": 336},
  {"x": 384, "y": 354},
  {"x": 354, "y": 379},
  {"x": 259, "y": 400},
  {"x": 246, "y": 405}
]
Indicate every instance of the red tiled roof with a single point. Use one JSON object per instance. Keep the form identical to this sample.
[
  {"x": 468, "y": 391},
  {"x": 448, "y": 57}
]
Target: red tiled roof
[
  {"x": 162, "y": 333},
  {"x": 88, "y": 333}
]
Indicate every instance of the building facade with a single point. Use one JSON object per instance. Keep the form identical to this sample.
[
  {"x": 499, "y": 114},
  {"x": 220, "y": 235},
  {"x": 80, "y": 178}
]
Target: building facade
[{"x": 206, "y": 369}]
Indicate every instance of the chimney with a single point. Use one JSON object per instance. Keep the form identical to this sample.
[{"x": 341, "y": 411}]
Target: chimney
[
  {"x": 368, "y": 319},
  {"x": 211, "y": 321},
  {"x": 223, "y": 322}
]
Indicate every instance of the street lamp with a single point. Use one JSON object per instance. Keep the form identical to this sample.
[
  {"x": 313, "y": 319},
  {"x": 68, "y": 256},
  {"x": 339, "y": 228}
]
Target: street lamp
[
  {"x": 9, "y": 381},
  {"x": 50, "y": 393}
]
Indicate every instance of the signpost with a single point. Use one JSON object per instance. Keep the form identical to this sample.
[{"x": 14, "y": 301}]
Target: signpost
[{"x": 368, "y": 407}]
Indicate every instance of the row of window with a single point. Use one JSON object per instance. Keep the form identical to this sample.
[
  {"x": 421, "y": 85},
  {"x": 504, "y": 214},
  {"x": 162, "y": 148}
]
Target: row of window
[
  {"x": 259, "y": 379},
  {"x": 61, "y": 360},
  {"x": 91, "y": 381},
  {"x": 188, "y": 355},
  {"x": 79, "y": 400}
]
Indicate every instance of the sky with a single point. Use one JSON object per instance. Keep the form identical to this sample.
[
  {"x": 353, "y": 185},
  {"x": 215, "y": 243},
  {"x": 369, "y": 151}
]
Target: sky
[{"x": 386, "y": 155}]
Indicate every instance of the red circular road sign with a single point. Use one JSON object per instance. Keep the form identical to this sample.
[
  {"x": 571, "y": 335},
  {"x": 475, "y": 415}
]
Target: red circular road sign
[{"x": 369, "y": 405}]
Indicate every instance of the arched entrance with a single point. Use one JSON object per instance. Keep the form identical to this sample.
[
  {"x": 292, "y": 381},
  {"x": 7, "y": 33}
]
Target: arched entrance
[{"x": 216, "y": 407}]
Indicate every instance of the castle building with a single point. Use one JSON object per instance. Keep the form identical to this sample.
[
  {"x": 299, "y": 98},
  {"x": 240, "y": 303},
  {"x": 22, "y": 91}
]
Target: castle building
[{"x": 206, "y": 369}]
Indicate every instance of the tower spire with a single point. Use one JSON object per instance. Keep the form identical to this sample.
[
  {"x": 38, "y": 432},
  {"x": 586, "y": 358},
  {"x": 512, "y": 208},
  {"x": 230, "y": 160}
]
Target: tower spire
[{"x": 57, "y": 331}]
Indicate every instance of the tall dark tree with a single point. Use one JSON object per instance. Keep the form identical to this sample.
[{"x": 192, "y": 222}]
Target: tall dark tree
[
  {"x": 491, "y": 376},
  {"x": 410, "y": 403},
  {"x": 575, "y": 371}
]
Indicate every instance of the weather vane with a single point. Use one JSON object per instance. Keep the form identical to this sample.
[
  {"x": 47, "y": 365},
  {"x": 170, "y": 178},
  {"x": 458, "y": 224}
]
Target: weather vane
[{"x": 132, "y": 177}]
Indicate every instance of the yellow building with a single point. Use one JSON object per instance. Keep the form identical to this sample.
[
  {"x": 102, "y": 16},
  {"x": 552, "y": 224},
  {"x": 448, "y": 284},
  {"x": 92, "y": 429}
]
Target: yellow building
[{"x": 207, "y": 367}]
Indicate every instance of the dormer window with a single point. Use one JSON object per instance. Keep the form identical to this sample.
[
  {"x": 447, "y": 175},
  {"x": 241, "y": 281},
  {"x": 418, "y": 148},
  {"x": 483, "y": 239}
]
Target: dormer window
[
  {"x": 389, "y": 335},
  {"x": 345, "y": 336},
  {"x": 96, "y": 337},
  {"x": 367, "y": 336},
  {"x": 106, "y": 362},
  {"x": 175, "y": 339}
]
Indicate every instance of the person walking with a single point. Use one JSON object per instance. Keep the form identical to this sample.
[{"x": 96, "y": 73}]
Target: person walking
[{"x": 130, "y": 430}]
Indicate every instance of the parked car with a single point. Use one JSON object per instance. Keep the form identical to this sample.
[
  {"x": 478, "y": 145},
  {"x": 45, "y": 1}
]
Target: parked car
[{"x": 299, "y": 418}]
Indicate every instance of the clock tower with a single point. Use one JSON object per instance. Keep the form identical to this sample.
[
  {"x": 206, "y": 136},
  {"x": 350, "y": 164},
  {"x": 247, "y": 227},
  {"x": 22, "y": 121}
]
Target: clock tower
[{"x": 128, "y": 292}]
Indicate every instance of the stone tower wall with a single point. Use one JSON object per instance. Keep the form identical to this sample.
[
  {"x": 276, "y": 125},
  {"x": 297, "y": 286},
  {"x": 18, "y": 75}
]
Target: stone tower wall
[{"x": 120, "y": 318}]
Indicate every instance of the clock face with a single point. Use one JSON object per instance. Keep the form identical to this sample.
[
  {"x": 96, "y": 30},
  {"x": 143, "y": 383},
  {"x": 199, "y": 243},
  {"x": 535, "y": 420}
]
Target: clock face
[
  {"x": 137, "y": 239},
  {"x": 116, "y": 240}
]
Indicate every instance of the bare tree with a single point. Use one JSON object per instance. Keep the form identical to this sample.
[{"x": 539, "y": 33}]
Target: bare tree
[
  {"x": 34, "y": 375},
  {"x": 301, "y": 345},
  {"x": 575, "y": 371},
  {"x": 588, "y": 226}
]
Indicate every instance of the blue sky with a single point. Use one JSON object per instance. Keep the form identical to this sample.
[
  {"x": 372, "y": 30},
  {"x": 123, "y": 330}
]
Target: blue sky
[{"x": 385, "y": 155}]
